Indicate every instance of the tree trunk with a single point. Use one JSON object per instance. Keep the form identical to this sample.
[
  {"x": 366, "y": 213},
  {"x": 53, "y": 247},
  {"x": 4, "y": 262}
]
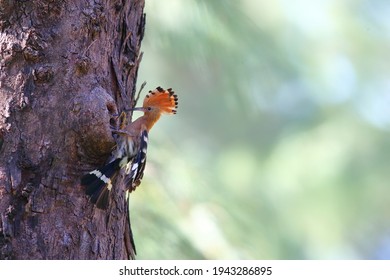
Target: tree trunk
[{"x": 67, "y": 67}]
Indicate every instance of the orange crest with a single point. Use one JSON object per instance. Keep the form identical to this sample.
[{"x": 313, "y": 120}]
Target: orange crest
[{"x": 165, "y": 100}]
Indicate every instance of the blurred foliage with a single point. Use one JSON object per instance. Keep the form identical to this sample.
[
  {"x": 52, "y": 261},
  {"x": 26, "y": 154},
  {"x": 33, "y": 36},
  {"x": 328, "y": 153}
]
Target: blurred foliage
[{"x": 280, "y": 146}]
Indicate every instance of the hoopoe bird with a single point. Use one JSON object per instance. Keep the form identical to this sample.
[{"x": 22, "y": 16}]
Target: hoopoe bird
[{"x": 130, "y": 151}]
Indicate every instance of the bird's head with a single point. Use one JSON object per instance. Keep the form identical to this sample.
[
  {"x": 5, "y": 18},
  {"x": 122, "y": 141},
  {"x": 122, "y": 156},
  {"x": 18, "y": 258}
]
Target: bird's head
[{"x": 158, "y": 102}]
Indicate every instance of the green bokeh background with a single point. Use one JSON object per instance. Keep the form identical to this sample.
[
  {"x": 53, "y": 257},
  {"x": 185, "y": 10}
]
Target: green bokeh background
[{"x": 280, "y": 148}]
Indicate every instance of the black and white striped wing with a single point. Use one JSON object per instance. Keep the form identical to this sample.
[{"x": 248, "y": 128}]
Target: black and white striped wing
[{"x": 137, "y": 168}]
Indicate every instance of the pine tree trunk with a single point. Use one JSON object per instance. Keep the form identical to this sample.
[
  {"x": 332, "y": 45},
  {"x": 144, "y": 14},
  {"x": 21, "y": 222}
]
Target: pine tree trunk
[{"x": 67, "y": 67}]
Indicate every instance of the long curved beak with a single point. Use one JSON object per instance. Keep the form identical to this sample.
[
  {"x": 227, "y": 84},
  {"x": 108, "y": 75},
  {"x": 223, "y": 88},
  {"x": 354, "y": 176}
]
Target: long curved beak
[{"x": 136, "y": 109}]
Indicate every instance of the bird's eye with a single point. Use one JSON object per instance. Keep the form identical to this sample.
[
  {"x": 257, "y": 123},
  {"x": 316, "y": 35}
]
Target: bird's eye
[{"x": 149, "y": 108}]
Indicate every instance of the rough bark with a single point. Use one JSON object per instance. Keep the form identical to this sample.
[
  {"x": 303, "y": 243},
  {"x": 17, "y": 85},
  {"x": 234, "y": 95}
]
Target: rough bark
[{"x": 67, "y": 67}]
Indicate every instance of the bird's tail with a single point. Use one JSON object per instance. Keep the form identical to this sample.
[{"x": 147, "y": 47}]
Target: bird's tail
[{"x": 98, "y": 183}]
